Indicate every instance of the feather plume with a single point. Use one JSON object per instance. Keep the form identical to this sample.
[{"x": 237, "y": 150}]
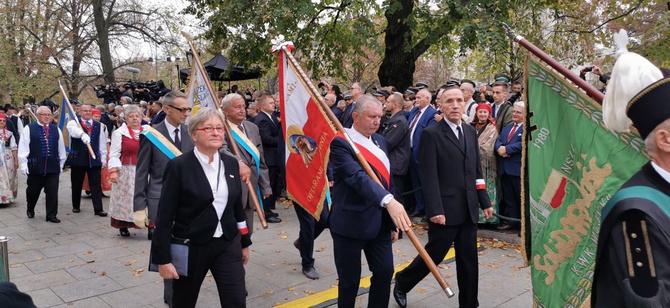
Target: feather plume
[{"x": 630, "y": 75}]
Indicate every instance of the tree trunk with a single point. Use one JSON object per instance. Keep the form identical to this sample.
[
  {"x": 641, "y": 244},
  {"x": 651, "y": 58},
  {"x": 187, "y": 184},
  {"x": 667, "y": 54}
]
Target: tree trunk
[
  {"x": 102, "y": 29},
  {"x": 397, "y": 68}
]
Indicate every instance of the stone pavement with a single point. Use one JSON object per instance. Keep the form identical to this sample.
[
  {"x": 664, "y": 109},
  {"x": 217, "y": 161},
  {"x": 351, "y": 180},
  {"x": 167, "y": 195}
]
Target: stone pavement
[{"x": 83, "y": 262}]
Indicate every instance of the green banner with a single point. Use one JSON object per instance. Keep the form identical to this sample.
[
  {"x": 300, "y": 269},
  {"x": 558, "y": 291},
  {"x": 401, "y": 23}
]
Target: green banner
[{"x": 574, "y": 166}]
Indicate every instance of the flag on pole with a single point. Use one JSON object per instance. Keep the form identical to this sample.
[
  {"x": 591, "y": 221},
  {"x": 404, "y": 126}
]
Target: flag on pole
[
  {"x": 574, "y": 166},
  {"x": 66, "y": 114},
  {"x": 199, "y": 95},
  {"x": 307, "y": 135}
]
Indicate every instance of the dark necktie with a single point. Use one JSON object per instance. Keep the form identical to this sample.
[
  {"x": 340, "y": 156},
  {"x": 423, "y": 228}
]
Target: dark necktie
[
  {"x": 177, "y": 141},
  {"x": 46, "y": 131},
  {"x": 461, "y": 140},
  {"x": 493, "y": 111},
  {"x": 416, "y": 119},
  {"x": 242, "y": 129}
]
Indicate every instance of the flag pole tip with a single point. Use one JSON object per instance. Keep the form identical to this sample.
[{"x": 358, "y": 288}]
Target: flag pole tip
[
  {"x": 510, "y": 32},
  {"x": 278, "y": 43}
]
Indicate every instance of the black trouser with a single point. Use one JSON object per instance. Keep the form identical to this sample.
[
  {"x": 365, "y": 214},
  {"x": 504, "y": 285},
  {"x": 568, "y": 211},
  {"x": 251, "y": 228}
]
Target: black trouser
[
  {"x": 399, "y": 182},
  {"x": 77, "y": 180},
  {"x": 50, "y": 184},
  {"x": 310, "y": 229},
  {"x": 275, "y": 184},
  {"x": 440, "y": 238},
  {"x": 378, "y": 253},
  {"x": 224, "y": 259},
  {"x": 511, "y": 188}
]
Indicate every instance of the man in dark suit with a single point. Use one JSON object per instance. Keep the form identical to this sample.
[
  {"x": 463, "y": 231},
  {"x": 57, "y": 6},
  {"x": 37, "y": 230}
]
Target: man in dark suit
[
  {"x": 454, "y": 189},
  {"x": 419, "y": 118},
  {"x": 151, "y": 164},
  {"x": 159, "y": 116},
  {"x": 508, "y": 147},
  {"x": 87, "y": 132},
  {"x": 396, "y": 135},
  {"x": 233, "y": 106},
  {"x": 269, "y": 127},
  {"x": 356, "y": 91},
  {"x": 364, "y": 212}
]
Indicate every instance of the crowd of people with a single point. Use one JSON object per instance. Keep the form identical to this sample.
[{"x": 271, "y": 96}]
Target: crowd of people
[{"x": 422, "y": 138}]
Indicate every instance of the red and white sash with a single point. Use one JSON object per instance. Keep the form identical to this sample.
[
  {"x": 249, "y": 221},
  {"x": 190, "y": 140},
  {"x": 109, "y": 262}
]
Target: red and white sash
[{"x": 375, "y": 156}]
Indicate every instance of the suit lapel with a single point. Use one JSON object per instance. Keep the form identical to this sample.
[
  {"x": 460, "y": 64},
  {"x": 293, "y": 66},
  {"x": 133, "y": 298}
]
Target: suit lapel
[
  {"x": 199, "y": 174},
  {"x": 451, "y": 136},
  {"x": 231, "y": 181}
]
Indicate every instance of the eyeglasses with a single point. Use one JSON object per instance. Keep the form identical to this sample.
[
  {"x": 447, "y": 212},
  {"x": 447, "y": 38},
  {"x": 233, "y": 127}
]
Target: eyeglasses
[
  {"x": 182, "y": 110},
  {"x": 210, "y": 129},
  {"x": 3, "y": 121}
]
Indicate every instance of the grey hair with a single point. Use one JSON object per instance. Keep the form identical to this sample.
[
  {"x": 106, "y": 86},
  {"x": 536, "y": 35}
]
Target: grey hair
[
  {"x": 111, "y": 105},
  {"x": 126, "y": 99},
  {"x": 202, "y": 116},
  {"x": 168, "y": 99},
  {"x": 43, "y": 108},
  {"x": 650, "y": 141},
  {"x": 225, "y": 102},
  {"x": 253, "y": 104},
  {"x": 131, "y": 108},
  {"x": 520, "y": 104},
  {"x": 363, "y": 102}
]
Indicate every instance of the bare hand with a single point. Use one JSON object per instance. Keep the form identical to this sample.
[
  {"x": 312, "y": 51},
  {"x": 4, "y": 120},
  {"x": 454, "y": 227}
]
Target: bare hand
[
  {"x": 439, "y": 219},
  {"x": 266, "y": 196},
  {"x": 502, "y": 151},
  {"x": 399, "y": 216},
  {"x": 438, "y": 117},
  {"x": 245, "y": 172},
  {"x": 394, "y": 236},
  {"x": 167, "y": 271},
  {"x": 331, "y": 183},
  {"x": 488, "y": 213},
  {"x": 596, "y": 70},
  {"x": 114, "y": 177},
  {"x": 245, "y": 255}
]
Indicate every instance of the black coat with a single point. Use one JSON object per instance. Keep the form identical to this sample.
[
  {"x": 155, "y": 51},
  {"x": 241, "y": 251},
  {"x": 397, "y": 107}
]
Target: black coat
[
  {"x": 396, "y": 134},
  {"x": 269, "y": 130},
  {"x": 184, "y": 199},
  {"x": 449, "y": 174}
]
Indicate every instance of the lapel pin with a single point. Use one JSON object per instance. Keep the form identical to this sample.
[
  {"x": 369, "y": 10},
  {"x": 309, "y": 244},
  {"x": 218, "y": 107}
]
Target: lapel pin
[{"x": 231, "y": 176}]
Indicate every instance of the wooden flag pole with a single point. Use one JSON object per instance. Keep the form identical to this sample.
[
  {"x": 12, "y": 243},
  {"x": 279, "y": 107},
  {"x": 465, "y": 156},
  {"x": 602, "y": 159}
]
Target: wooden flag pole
[
  {"x": 67, "y": 101},
  {"x": 234, "y": 147},
  {"x": 410, "y": 233}
]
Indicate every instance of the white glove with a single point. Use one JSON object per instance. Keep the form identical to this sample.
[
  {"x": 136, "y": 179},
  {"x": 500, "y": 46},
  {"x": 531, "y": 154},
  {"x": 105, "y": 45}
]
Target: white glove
[
  {"x": 141, "y": 219},
  {"x": 85, "y": 138},
  {"x": 24, "y": 169}
]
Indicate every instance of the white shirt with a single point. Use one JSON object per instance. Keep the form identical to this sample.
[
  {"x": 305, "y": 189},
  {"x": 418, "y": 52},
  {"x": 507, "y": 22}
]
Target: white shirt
[
  {"x": 411, "y": 134},
  {"x": 664, "y": 174},
  {"x": 372, "y": 147},
  {"x": 219, "y": 186},
  {"x": 497, "y": 108},
  {"x": 75, "y": 132},
  {"x": 24, "y": 147},
  {"x": 171, "y": 129},
  {"x": 115, "y": 147},
  {"x": 473, "y": 110},
  {"x": 454, "y": 126}
]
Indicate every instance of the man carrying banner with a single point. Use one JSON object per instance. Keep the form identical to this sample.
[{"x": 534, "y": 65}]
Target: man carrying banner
[
  {"x": 632, "y": 268},
  {"x": 248, "y": 139},
  {"x": 364, "y": 214},
  {"x": 42, "y": 156},
  {"x": 454, "y": 190},
  {"x": 88, "y": 131}
]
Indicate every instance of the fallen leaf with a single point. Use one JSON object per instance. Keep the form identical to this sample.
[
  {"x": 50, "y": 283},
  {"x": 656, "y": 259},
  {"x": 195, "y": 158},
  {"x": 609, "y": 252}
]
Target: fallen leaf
[
  {"x": 320, "y": 249},
  {"x": 88, "y": 252},
  {"x": 70, "y": 261},
  {"x": 15, "y": 265},
  {"x": 284, "y": 237},
  {"x": 103, "y": 273},
  {"x": 90, "y": 261},
  {"x": 40, "y": 258},
  {"x": 291, "y": 288},
  {"x": 269, "y": 292},
  {"x": 420, "y": 290}
]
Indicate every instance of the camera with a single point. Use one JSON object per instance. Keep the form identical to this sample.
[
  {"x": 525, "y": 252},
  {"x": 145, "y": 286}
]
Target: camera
[{"x": 588, "y": 69}]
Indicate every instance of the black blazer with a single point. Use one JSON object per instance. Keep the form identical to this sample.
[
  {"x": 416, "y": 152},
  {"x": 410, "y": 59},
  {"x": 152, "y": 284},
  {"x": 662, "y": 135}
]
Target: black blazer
[
  {"x": 449, "y": 174},
  {"x": 185, "y": 195},
  {"x": 269, "y": 130}
]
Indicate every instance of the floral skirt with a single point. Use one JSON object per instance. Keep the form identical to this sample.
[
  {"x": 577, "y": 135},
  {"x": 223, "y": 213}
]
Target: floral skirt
[
  {"x": 121, "y": 200},
  {"x": 9, "y": 184}
]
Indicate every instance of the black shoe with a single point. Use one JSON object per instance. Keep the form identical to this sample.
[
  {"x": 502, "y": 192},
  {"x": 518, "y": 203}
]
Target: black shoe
[
  {"x": 417, "y": 214},
  {"x": 124, "y": 232},
  {"x": 506, "y": 227},
  {"x": 54, "y": 220},
  {"x": 399, "y": 296},
  {"x": 310, "y": 273},
  {"x": 271, "y": 214},
  {"x": 101, "y": 214},
  {"x": 296, "y": 244},
  {"x": 273, "y": 220},
  {"x": 150, "y": 233},
  {"x": 76, "y": 210},
  {"x": 88, "y": 192},
  {"x": 31, "y": 214}
]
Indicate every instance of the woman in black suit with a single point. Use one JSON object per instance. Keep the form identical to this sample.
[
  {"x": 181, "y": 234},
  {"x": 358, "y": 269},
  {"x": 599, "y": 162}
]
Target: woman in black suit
[{"x": 201, "y": 201}]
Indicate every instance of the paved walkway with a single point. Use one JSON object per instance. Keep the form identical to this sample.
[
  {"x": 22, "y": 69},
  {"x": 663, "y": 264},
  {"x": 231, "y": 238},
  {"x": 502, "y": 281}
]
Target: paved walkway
[{"x": 83, "y": 262}]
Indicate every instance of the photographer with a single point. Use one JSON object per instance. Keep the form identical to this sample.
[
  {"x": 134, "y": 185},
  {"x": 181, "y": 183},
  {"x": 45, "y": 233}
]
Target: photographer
[
  {"x": 604, "y": 78},
  {"x": 108, "y": 93}
]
